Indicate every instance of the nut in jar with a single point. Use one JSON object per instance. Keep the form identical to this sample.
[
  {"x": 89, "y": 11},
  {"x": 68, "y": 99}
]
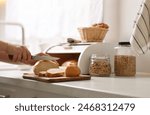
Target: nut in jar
[{"x": 99, "y": 66}]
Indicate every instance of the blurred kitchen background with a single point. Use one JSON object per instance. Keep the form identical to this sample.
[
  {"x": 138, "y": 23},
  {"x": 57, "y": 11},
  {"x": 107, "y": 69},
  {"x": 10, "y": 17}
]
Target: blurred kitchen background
[{"x": 49, "y": 22}]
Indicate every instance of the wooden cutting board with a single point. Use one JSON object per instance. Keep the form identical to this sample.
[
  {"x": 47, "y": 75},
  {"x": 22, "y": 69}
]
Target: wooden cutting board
[{"x": 32, "y": 76}]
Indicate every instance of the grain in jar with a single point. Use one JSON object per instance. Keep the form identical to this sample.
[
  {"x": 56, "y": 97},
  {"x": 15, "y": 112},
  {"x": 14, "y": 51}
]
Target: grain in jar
[
  {"x": 125, "y": 65},
  {"x": 124, "y": 60},
  {"x": 100, "y": 66}
]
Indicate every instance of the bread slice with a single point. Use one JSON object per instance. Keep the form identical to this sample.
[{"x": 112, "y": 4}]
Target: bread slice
[
  {"x": 55, "y": 72},
  {"x": 42, "y": 74}
]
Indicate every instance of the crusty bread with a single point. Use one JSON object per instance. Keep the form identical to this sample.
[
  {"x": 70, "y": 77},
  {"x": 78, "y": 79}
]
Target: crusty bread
[
  {"x": 44, "y": 65},
  {"x": 101, "y": 25},
  {"x": 72, "y": 71}
]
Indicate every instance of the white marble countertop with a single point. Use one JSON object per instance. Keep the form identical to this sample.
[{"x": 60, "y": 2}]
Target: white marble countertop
[{"x": 138, "y": 86}]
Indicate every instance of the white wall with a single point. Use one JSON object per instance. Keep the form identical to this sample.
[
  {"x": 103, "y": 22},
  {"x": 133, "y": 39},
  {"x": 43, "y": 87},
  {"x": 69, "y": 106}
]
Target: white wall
[
  {"x": 112, "y": 17},
  {"x": 120, "y": 15},
  {"x": 2, "y": 17}
]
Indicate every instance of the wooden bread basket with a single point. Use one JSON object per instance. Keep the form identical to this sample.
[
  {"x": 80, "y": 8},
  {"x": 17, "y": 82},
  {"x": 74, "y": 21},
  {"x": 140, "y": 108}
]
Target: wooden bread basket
[{"x": 92, "y": 34}]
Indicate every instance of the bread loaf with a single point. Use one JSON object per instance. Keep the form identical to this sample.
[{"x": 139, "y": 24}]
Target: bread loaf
[
  {"x": 44, "y": 65},
  {"x": 72, "y": 71},
  {"x": 67, "y": 63}
]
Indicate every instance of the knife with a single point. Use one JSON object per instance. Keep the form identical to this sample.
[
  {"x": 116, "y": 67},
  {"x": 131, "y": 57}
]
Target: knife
[
  {"x": 44, "y": 57},
  {"x": 37, "y": 57}
]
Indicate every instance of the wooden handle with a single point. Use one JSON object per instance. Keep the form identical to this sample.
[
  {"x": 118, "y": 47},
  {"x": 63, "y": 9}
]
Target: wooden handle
[{"x": 10, "y": 57}]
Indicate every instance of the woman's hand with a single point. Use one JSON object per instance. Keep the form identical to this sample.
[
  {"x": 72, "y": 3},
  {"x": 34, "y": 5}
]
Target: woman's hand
[{"x": 20, "y": 53}]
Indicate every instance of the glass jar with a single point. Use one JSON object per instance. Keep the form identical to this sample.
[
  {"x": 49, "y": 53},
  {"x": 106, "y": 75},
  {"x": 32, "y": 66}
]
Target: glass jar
[
  {"x": 99, "y": 66},
  {"x": 125, "y": 61}
]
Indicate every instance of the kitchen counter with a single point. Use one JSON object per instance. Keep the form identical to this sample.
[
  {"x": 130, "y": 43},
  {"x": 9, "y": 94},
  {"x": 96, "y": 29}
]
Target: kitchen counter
[{"x": 102, "y": 87}]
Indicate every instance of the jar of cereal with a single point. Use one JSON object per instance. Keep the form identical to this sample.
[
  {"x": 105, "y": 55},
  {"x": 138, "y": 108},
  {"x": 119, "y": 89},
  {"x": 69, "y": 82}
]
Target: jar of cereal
[
  {"x": 99, "y": 66},
  {"x": 124, "y": 60}
]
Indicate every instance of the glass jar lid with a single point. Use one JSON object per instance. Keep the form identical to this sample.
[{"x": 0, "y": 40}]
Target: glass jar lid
[{"x": 96, "y": 56}]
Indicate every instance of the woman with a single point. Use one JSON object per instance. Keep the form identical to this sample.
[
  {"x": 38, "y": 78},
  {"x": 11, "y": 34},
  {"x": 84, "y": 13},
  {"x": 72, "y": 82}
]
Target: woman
[{"x": 15, "y": 53}]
